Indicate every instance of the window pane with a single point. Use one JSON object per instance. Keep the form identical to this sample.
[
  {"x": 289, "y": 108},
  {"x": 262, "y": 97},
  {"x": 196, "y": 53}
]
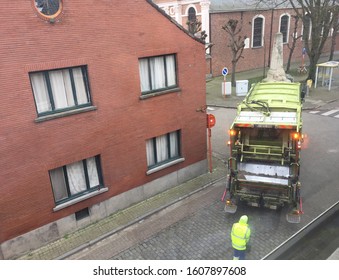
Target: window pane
[
  {"x": 170, "y": 67},
  {"x": 150, "y": 152},
  {"x": 306, "y": 27},
  {"x": 257, "y": 32},
  {"x": 92, "y": 172},
  {"x": 80, "y": 86},
  {"x": 144, "y": 75},
  {"x": 76, "y": 177},
  {"x": 284, "y": 27},
  {"x": 47, "y": 7},
  {"x": 68, "y": 87},
  {"x": 191, "y": 14},
  {"x": 58, "y": 184},
  {"x": 158, "y": 72},
  {"x": 61, "y": 89},
  {"x": 40, "y": 92},
  {"x": 174, "y": 152},
  {"x": 162, "y": 148}
]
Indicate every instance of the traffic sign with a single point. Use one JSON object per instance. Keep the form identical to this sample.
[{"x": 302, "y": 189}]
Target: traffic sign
[{"x": 224, "y": 71}]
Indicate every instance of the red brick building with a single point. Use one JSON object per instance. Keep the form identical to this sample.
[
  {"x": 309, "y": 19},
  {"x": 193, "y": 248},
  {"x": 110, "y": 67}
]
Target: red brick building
[
  {"x": 259, "y": 25},
  {"x": 98, "y": 111}
]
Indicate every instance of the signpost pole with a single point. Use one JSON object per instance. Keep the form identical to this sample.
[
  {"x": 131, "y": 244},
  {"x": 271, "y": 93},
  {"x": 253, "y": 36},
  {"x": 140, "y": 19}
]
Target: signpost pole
[
  {"x": 224, "y": 72},
  {"x": 210, "y": 150}
]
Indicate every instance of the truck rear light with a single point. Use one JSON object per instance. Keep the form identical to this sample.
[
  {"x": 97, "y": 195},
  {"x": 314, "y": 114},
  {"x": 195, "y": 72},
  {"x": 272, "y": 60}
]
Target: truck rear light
[
  {"x": 296, "y": 136},
  {"x": 232, "y": 132},
  {"x": 244, "y": 125}
]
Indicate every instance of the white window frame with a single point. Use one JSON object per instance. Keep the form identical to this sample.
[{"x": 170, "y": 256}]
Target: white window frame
[
  {"x": 262, "y": 31},
  {"x": 310, "y": 29},
  {"x": 288, "y": 27}
]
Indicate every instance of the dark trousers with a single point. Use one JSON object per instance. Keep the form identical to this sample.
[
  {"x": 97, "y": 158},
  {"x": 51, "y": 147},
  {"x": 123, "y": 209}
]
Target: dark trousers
[{"x": 239, "y": 254}]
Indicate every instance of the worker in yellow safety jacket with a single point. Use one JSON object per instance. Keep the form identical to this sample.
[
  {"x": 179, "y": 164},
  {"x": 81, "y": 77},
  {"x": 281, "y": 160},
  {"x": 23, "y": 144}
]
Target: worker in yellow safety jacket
[{"x": 240, "y": 236}]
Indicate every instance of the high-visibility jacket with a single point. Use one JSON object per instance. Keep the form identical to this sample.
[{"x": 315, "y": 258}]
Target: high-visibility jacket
[{"x": 240, "y": 234}]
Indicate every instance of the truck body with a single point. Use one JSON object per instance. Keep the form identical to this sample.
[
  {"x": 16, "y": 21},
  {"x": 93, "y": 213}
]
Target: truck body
[{"x": 265, "y": 142}]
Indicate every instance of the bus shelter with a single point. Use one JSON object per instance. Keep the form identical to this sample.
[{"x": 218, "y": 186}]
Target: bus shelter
[{"x": 326, "y": 73}]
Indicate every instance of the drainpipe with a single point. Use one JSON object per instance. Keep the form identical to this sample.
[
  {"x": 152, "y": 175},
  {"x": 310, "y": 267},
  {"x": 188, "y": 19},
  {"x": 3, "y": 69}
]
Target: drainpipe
[{"x": 271, "y": 31}]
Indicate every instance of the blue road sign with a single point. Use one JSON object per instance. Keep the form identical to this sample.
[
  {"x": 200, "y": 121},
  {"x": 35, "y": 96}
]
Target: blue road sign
[{"x": 224, "y": 71}]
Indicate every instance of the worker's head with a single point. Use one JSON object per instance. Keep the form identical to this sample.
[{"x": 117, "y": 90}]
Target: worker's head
[{"x": 243, "y": 219}]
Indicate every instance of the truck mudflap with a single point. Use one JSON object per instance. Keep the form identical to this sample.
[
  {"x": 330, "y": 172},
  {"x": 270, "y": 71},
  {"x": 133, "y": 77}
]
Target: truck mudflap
[
  {"x": 294, "y": 216},
  {"x": 230, "y": 206}
]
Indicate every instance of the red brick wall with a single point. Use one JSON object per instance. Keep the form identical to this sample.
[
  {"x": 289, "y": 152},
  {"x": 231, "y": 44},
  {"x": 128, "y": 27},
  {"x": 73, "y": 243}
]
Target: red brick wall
[
  {"x": 253, "y": 57},
  {"x": 108, "y": 37}
]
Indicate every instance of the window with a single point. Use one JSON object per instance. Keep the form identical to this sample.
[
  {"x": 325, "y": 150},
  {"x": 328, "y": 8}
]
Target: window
[
  {"x": 163, "y": 149},
  {"x": 60, "y": 90},
  {"x": 307, "y": 27},
  {"x": 284, "y": 27},
  {"x": 192, "y": 20},
  {"x": 157, "y": 73},
  {"x": 48, "y": 8},
  {"x": 258, "y": 26},
  {"x": 76, "y": 179}
]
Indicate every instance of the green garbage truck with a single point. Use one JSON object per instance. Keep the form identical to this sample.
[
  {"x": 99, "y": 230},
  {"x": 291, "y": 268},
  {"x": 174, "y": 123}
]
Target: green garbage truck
[{"x": 265, "y": 143}]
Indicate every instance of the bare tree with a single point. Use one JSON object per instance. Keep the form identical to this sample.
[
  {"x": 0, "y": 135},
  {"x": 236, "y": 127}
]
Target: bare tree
[
  {"x": 236, "y": 43},
  {"x": 317, "y": 18},
  {"x": 292, "y": 46},
  {"x": 335, "y": 31},
  {"x": 194, "y": 27}
]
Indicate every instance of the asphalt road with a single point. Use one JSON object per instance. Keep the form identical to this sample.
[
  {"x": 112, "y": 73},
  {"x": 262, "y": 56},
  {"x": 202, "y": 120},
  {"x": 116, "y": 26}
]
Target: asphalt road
[{"x": 198, "y": 228}]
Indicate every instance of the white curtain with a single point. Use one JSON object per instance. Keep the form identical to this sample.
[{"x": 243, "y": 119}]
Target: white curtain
[
  {"x": 162, "y": 148},
  {"x": 61, "y": 88},
  {"x": 144, "y": 75},
  {"x": 150, "y": 152},
  {"x": 80, "y": 86},
  {"x": 174, "y": 147},
  {"x": 157, "y": 72},
  {"x": 58, "y": 184},
  {"x": 92, "y": 172},
  {"x": 170, "y": 66},
  {"x": 76, "y": 177},
  {"x": 40, "y": 92}
]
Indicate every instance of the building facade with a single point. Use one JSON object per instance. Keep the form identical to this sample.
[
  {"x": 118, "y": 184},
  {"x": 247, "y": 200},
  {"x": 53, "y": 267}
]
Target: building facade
[
  {"x": 188, "y": 11},
  {"x": 98, "y": 111},
  {"x": 259, "y": 24}
]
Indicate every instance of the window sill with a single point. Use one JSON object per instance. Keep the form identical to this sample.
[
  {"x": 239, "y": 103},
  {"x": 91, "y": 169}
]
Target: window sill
[
  {"x": 81, "y": 198},
  {"x": 158, "y": 93},
  {"x": 64, "y": 114},
  {"x": 161, "y": 167}
]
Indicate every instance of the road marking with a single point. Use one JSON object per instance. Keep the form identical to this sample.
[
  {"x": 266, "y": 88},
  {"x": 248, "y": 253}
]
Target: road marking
[
  {"x": 337, "y": 116},
  {"x": 330, "y": 112},
  {"x": 314, "y": 112}
]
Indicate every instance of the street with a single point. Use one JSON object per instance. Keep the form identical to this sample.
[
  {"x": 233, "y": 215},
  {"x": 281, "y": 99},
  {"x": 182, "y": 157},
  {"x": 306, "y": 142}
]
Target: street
[{"x": 198, "y": 228}]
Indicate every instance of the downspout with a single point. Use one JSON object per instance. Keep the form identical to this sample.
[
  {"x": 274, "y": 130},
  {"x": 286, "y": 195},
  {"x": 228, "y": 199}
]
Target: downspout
[{"x": 271, "y": 31}]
